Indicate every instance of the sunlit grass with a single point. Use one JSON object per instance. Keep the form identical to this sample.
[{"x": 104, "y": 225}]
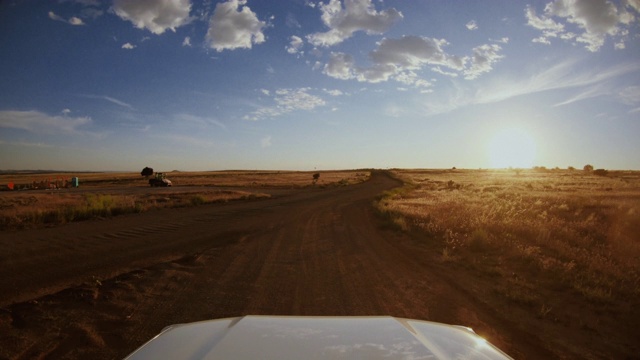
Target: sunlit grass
[
  {"x": 567, "y": 229},
  {"x": 34, "y": 208}
]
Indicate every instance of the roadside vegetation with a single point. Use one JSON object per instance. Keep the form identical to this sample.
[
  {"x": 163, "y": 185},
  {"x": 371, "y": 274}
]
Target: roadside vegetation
[
  {"x": 562, "y": 245},
  {"x": 37, "y": 208}
]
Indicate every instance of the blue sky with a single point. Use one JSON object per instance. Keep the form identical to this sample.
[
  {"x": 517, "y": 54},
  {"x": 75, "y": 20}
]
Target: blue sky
[{"x": 300, "y": 85}]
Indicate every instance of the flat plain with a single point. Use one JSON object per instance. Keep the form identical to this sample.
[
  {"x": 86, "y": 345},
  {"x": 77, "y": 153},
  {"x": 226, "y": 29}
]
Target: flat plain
[{"x": 544, "y": 264}]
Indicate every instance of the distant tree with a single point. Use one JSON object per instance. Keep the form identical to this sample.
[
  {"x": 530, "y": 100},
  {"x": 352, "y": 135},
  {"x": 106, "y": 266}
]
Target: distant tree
[
  {"x": 588, "y": 167},
  {"x": 571, "y": 168},
  {"x": 316, "y": 176},
  {"x": 147, "y": 171}
]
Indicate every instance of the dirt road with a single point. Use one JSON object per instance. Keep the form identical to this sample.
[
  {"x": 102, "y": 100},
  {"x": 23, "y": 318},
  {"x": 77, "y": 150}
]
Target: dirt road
[{"x": 100, "y": 289}]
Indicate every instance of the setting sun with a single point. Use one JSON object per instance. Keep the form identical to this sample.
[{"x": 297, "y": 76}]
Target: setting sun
[{"x": 512, "y": 147}]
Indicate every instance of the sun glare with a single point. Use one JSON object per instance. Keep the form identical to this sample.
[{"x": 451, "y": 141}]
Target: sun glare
[{"x": 512, "y": 147}]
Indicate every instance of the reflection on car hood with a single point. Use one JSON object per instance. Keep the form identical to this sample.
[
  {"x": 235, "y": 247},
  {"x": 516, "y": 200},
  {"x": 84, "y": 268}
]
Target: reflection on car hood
[{"x": 289, "y": 337}]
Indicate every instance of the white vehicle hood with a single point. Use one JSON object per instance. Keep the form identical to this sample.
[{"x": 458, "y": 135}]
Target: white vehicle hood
[{"x": 289, "y": 337}]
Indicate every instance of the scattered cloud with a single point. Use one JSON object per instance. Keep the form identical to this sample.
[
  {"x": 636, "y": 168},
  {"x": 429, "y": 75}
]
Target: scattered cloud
[
  {"x": 340, "y": 66},
  {"x": 482, "y": 61},
  {"x": 630, "y": 95},
  {"x": 587, "y": 93},
  {"x": 55, "y": 17},
  {"x": 295, "y": 45},
  {"x": 400, "y": 59},
  {"x": 559, "y": 76},
  {"x": 72, "y": 21},
  {"x": 585, "y": 84},
  {"x": 155, "y": 16},
  {"x": 234, "y": 26},
  {"x": 76, "y": 21},
  {"x": 128, "y": 46},
  {"x": 356, "y": 15},
  {"x": 198, "y": 121},
  {"x": 334, "y": 92},
  {"x": 472, "y": 25},
  {"x": 186, "y": 41},
  {"x": 291, "y": 21},
  {"x": 39, "y": 122},
  {"x": 286, "y": 101},
  {"x": 109, "y": 99},
  {"x": 593, "y": 21}
]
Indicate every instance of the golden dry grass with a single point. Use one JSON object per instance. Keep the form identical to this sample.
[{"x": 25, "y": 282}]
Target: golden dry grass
[
  {"x": 201, "y": 178},
  {"x": 565, "y": 230},
  {"x": 33, "y": 208}
]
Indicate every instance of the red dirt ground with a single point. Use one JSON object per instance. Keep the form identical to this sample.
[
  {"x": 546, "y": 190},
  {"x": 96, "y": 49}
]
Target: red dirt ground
[{"x": 100, "y": 289}]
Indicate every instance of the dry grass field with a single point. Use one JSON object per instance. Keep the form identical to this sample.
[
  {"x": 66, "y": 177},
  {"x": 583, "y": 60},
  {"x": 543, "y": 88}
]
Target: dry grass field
[
  {"x": 114, "y": 194},
  {"x": 561, "y": 245}
]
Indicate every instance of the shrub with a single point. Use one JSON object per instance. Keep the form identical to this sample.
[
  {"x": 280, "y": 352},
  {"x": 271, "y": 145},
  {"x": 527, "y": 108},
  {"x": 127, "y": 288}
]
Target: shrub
[{"x": 588, "y": 168}]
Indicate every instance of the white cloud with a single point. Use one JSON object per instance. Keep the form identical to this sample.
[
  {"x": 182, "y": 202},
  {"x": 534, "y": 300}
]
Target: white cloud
[
  {"x": 291, "y": 21},
  {"x": 72, "y": 21},
  {"x": 128, "y": 46},
  {"x": 109, "y": 99},
  {"x": 232, "y": 27},
  {"x": 295, "y": 45},
  {"x": 400, "y": 59},
  {"x": 438, "y": 69},
  {"x": 55, "y": 17},
  {"x": 297, "y": 99},
  {"x": 482, "y": 61},
  {"x": 76, "y": 21},
  {"x": 356, "y": 15},
  {"x": 198, "y": 121},
  {"x": 412, "y": 52},
  {"x": 265, "y": 142},
  {"x": 584, "y": 84},
  {"x": 560, "y": 76},
  {"x": 286, "y": 101},
  {"x": 340, "y": 66},
  {"x": 186, "y": 41},
  {"x": 472, "y": 25},
  {"x": 630, "y": 95},
  {"x": 334, "y": 92},
  {"x": 38, "y": 122},
  {"x": 157, "y": 16},
  {"x": 594, "y": 21}
]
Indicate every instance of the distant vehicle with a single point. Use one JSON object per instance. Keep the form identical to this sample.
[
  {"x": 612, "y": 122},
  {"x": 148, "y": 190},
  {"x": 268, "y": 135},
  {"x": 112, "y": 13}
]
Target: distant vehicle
[
  {"x": 160, "y": 180},
  {"x": 293, "y": 337}
]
